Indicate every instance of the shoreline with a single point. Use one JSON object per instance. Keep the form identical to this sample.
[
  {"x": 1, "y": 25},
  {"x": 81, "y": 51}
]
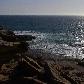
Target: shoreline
[{"x": 34, "y": 66}]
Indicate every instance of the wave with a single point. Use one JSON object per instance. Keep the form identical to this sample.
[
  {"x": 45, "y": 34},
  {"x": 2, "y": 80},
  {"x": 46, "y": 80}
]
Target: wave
[{"x": 54, "y": 43}]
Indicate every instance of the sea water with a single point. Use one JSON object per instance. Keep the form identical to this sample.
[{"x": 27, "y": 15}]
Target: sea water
[{"x": 63, "y": 35}]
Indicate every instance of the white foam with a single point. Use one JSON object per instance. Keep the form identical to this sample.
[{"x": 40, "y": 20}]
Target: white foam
[
  {"x": 25, "y": 33},
  {"x": 43, "y": 41}
]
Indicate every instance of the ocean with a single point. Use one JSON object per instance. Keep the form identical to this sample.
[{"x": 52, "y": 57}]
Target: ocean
[{"x": 63, "y": 35}]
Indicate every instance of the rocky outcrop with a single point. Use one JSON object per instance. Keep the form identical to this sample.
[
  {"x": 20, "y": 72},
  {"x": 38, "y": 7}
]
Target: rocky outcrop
[
  {"x": 26, "y": 70},
  {"x": 8, "y": 35},
  {"x": 21, "y": 65}
]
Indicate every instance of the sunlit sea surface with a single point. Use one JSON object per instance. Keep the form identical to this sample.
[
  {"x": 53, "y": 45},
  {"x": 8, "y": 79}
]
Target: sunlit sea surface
[{"x": 63, "y": 35}]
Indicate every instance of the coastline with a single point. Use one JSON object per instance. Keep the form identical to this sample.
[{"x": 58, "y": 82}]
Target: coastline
[{"x": 34, "y": 66}]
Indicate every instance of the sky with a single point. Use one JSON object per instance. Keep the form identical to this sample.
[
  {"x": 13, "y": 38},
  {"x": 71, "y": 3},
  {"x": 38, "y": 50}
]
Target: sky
[{"x": 41, "y": 7}]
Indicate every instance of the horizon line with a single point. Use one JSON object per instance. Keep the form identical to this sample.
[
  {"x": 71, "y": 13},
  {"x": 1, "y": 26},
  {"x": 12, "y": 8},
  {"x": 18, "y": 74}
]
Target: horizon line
[{"x": 38, "y": 15}]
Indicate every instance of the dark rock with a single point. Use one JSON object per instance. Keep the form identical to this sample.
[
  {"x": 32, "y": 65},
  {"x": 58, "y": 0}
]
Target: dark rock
[{"x": 24, "y": 37}]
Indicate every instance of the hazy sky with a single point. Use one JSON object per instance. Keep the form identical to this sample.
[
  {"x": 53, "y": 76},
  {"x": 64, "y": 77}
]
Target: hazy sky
[{"x": 42, "y": 7}]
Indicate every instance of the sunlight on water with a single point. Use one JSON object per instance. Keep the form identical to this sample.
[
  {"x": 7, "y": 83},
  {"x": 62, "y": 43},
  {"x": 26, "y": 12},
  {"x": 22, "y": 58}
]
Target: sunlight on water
[
  {"x": 48, "y": 42},
  {"x": 55, "y": 34}
]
